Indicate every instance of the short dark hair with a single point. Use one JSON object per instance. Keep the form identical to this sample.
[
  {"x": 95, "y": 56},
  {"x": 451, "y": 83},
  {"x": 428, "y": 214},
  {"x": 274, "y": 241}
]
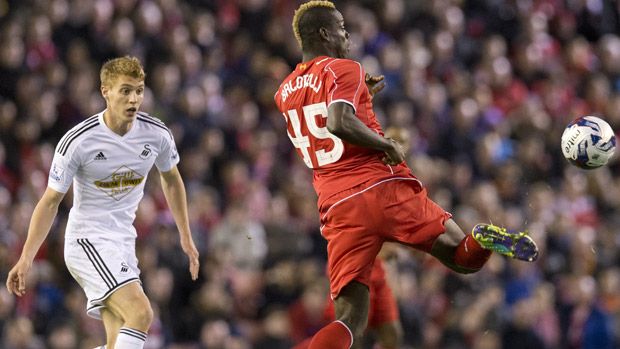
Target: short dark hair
[{"x": 309, "y": 18}]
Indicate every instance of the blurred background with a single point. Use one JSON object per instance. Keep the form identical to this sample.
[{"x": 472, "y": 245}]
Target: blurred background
[{"x": 483, "y": 89}]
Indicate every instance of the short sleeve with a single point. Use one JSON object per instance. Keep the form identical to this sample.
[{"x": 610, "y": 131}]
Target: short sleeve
[
  {"x": 347, "y": 82},
  {"x": 168, "y": 157},
  {"x": 63, "y": 169}
]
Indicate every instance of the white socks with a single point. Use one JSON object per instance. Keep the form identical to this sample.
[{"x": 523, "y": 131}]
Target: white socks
[{"x": 128, "y": 338}]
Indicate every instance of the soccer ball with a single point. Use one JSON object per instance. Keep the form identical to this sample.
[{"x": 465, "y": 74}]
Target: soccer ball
[{"x": 588, "y": 142}]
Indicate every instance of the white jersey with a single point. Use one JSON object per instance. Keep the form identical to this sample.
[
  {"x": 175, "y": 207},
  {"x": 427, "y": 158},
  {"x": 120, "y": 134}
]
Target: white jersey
[{"x": 108, "y": 172}]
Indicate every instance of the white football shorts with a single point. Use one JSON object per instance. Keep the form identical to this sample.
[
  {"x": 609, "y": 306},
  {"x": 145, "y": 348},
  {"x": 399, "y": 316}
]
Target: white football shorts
[{"x": 100, "y": 267}]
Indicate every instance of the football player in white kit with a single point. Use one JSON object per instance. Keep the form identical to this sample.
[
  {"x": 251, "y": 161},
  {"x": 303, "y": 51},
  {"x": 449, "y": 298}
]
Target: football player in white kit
[{"x": 107, "y": 158}]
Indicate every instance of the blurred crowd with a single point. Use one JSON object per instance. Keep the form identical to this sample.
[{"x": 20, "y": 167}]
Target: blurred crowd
[{"x": 482, "y": 88}]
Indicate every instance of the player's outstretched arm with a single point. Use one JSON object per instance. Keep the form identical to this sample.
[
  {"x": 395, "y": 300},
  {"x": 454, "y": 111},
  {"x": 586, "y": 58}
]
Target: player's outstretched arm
[
  {"x": 174, "y": 190},
  {"x": 342, "y": 122},
  {"x": 40, "y": 224}
]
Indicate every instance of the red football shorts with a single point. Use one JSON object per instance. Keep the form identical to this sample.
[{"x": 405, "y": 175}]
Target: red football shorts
[
  {"x": 357, "y": 221},
  {"x": 383, "y": 307}
]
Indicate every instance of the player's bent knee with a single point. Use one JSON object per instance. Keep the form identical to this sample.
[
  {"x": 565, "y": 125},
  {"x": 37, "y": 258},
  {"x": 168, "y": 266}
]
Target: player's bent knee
[
  {"x": 141, "y": 315},
  {"x": 133, "y": 307}
]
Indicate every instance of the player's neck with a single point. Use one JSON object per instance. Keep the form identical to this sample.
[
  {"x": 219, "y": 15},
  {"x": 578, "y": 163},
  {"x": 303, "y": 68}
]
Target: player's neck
[
  {"x": 308, "y": 56},
  {"x": 118, "y": 126}
]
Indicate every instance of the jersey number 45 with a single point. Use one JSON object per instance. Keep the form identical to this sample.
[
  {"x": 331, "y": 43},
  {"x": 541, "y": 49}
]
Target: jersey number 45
[{"x": 303, "y": 143}]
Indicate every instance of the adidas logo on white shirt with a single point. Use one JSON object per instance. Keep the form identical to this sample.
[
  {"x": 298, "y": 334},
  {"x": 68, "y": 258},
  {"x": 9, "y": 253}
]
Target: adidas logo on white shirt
[{"x": 100, "y": 156}]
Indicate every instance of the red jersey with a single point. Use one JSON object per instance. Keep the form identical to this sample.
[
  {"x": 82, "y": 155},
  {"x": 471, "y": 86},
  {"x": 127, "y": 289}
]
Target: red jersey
[{"x": 303, "y": 99}]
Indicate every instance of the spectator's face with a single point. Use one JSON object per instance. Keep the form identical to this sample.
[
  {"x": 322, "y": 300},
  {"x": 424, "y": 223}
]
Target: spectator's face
[
  {"x": 123, "y": 96},
  {"x": 12, "y": 53},
  {"x": 609, "y": 53},
  {"x": 63, "y": 337}
]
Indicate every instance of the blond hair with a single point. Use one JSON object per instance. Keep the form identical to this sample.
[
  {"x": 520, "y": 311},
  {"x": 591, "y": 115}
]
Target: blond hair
[
  {"x": 303, "y": 8},
  {"x": 127, "y": 65}
]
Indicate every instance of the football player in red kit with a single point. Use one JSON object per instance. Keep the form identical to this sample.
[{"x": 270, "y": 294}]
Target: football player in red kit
[{"x": 366, "y": 193}]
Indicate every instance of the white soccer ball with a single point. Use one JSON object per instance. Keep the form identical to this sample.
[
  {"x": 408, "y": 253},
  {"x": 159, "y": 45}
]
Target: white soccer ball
[{"x": 588, "y": 142}]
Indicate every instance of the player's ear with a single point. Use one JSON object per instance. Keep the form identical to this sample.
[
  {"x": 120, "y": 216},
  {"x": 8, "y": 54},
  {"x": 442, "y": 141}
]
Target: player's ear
[
  {"x": 324, "y": 33},
  {"x": 104, "y": 92}
]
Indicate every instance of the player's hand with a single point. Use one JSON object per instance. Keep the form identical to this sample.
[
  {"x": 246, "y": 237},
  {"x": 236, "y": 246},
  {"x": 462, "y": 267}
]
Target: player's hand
[
  {"x": 395, "y": 155},
  {"x": 16, "y": 281},
  {"x": 375, "y": 83},
  {"x": 192, "y": 253},
  {"x": 401, "y": 135}
]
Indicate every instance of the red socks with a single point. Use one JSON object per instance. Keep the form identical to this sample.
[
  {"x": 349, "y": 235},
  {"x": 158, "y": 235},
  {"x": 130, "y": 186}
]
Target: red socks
[
  {"x": 336, "y": 335},
  {"x": 469, "y": 254}
]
